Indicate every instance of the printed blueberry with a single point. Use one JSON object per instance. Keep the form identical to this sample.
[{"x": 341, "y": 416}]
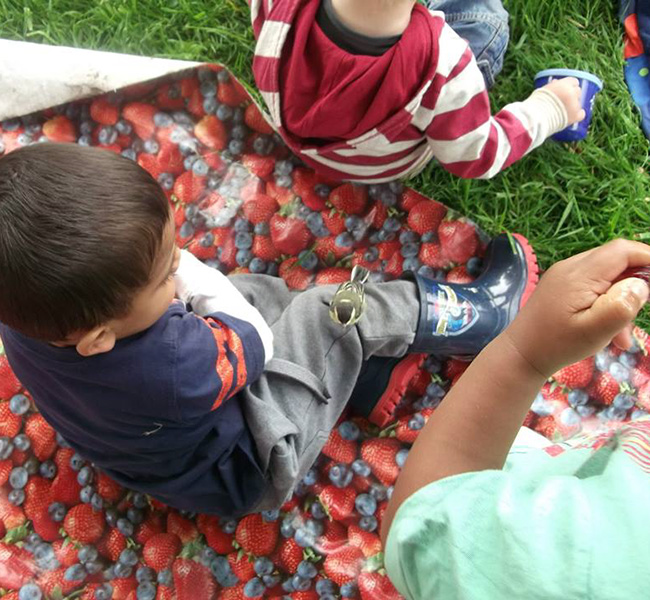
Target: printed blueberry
[
  {"x": 146, "y": 591},
  {"x": 411, "y": 264},
  {"x": 322, "y": 190},
  {"x": 340, "y": 475},
  {"x": 416, "y": 422},
  {"x": 619, "y": 372},
  {"x": 287, "y": 585},
  {"x": 365, "y": 504},
  {"x": 224, "y": 112},
  {"x": 270, "y": 516},
  {"x": 135, "y": 515},
  {"x": 19, "y": 404},
  {"x": 257, "y": 265},
  {"x": 160, "y": 119},
  {"x": 75, "y": 573},
  {"x": 429, "y": 236},
  {"x": 87, "y": 553},
  {"x": 200, "y": 168},
  {"x": 125, "y": 128},
  {"x": 18, "y": 477},
  {"x": 22, "y": 442},
  {"x": 314, "y": 527},
  {"x": 263, "y": 228},
  {"x": 263, "y": 145},
  {"x": 317, "y": 511},
  {"x": 603, "y": 360},
  {"x": 389, "y": 491},
  {"x": 397, "y": 187},
  {"x": 271, "y": 580},
  {"x": 222, "y": 572},
  {"x": 474, "y": 266},
  {"x": 426, "y": 271},
  {"x": 207, "y": 556},
  {"x": 57, "y": 511},
  {"x": 391, "y": 224},
  {"x": 577, "y": 398},
  {"x": 122, "y": 570},
  {"x": 368, "y": 523},
  {"x": 243, "y": 240},
  {"x": 109, "y": 573},
  {"x": 624, "y": 401},
  {"x": 6, "y": 447},
  {"x": 244, "y": 257},
  {"x": 165, "y": 577},
  {"x": 263, "y": 566},
  {"x": 151, "y": 146},
  {"x": 304, "y": 539},
  {"x": 30, "y": 591},
  {"x": 166, "y": 181},
  {"x": 541, "y": 407},
  {"x": 349, "y": 590},
  {"x": 94, "y": 566},
  {"x": 85, "y": 140},
  {"x": 107, "y": 135},
  {"x": 129, "y": 153},
  {"x": 408, "y": 237},
  {"x": 638, "y": 413},
  {"x": 361, "y": 467},
  {"x": 104, "y": 591},
  {"x": 128, "y": 557},
  {"x": 11, "y": 124},
  {"x": 378, "y": 492},
  {"x": 125, "y": 527},
  {"x": 307, "y": 570},
  {"x": 409, "y": 250},
  {"x": 400, "y": 457},
  {"x": 85, "y": 475},
  {"x": 86, "y": 494},
  {"x": 585, "y": 411},
  {"x": 616, "y": 414},
  {"x": 387, "y": 198},
  {"x": 228, "y": 525},
  {"x": 186, "y": 230},
  {"x": 300, "y": 584},
  {"x": 111, "y": 515},
  {"x": 325, "y": 586},
  {"x": 628, "y": 360},
  {"x": 76, "y": 462},
  {"x": 371, "y": 254},
  {"x": 349, "y": 430},
  {"x": 43, "y": 552}
]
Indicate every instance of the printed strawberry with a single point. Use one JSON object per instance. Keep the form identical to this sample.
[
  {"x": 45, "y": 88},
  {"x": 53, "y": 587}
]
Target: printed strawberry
[
  {"x": 241, "y": 566},
  {"x": 9, "y": 384},
  {"x": 604, "y": 388},
  {"x": 380, "y": 454},
  {"x": 281, "y": 194},
  {"x": 108, "y": 488},
  {"x": 60, "y": 129},
  {"x": 410, "y": 198},
  {"x": 168, "y": 97},
  {"x": 160, "y": 550},
  {"x": 236, "y": 592},
  {"x": 403, "y": 432},
  {"x": 334, "y": 221},
  {"x": 104, "y": 112},
  {"x": 288, "y": 556},
  {"x": 643, "y": 397},
  {"x": 124, "y": 588},
  {"x": 328, "y": 252},
  {"x": 195, "y": 103},
  {"x": 458, "y": 240},
  {"x": 375, "y": 585},
  {"x": 260, "y": 166},
  {"x": 44, "y": 526},
  {"x": 112, "y": 544},
  {"x": 577, "y": 375},
  {"x": 182, "y": 527},
  {"x": 83, "y": 524},
  {"x": 338, "y": 502},
  {"x": 257, "y": 536},
  {"x": 339, "y": 449},
  {"x": 201, "y": 251},
  {"x": 349, "y": 198},
  {"x": 358, "y": 258},
  {"x": 17, "y": 567},
  {"x": 140, "y": 115},
  {"x": 55, "y": 585},
  {"x": 254, "y": 118},
  {"x": 305, "y": 595},
  {"x": 65, "y": 487},
  {"x": 263, "y": 248},
  {"x": 426, "y": 216},
  {"x": 37, "y": 497},
  {"x": 12, "y": 516},
  {"x": 431, "y": 254},
  {"x": 295, "y": 276},
  {"x": 231, "y": 93},
  {"x": 259, "y": 208},
  {"x": 10, "y": 424},
  {"x": 150, "y": 164},
  {"x": 170, "y": 159},
  {"x": 377, "y": 215},
  {"x": 42, "y": 436},
  {"x": 454, "y": 368},
  {"x": 395, "y": 265},
  {"x": 215, "y": 537},
  {"x": 369, "y": 543},
  {"x": 459, "y": 275},
  {"x": 211, "y": 132},
  {"x": 290, "y": 235},
  {"x": 344, "y": 564},
  {"x": 65, "y": 552},
  {"x": 152, "y": 525},
  {"x": 304, "y": 183},
  {"x": 547, "y": 427},
  {"x": 334, "y": 537},
  {"x": 229, "y": 253},
  {"x": 188, "y": 187},
  {"x": 333, "y": 275},
  {"x": 5, "y": 471},
  {"x": 388, "y": 249},
  {"x": 167, "y": 593}
]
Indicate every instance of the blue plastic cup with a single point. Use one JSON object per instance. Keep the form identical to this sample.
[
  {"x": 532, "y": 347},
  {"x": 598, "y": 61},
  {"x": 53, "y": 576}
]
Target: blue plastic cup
[{"x": 590, "y": 86}]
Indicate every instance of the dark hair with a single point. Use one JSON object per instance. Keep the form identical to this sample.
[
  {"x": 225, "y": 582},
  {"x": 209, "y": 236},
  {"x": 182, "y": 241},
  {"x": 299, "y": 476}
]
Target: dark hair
[{"x": 80, "y": 230}]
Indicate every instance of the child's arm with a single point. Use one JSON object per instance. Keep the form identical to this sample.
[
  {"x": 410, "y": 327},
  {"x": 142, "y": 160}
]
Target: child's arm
[
  {"x": 462, "y": 133},
  {"x": 575, "y": 312},
  {"x": 209, "y": 291}
]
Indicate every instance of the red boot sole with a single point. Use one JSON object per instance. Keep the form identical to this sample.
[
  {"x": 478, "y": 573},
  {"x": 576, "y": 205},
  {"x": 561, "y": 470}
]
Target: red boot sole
[
  {"x": 402, "y": 374},
  {"x": 533, "y": 268}
]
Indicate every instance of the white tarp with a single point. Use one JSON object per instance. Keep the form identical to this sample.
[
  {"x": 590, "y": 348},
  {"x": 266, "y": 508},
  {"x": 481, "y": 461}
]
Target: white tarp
[{"x": 37, "y": 76}]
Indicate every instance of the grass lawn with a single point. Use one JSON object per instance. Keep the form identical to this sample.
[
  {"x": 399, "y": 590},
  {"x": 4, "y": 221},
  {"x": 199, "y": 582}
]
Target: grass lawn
[{"x": 565, "y": 199}]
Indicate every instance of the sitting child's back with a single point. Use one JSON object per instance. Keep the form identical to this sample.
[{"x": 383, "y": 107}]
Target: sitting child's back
[{"x": 378, "y": 107}]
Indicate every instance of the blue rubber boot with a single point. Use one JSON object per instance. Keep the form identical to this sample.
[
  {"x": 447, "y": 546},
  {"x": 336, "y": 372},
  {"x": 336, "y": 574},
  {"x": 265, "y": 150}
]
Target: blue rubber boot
[{"x": 461, "y": 319}]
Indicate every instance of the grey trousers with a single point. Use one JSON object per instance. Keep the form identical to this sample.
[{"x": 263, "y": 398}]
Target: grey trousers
[{"x": 294, "y": 405}]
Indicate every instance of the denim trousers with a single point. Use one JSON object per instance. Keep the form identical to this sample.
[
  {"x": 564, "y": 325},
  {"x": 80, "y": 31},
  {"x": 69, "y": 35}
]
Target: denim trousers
[{"x": 484, "y": 24}]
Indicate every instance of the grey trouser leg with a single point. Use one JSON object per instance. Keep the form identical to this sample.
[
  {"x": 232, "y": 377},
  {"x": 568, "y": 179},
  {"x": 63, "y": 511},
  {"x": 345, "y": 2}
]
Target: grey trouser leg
[{"x": 294, "y": 405}]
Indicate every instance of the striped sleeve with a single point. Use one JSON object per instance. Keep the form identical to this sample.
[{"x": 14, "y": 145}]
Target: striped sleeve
[
  {"x": 461, "y": 131},
  {"x": 215, "y": 357}
]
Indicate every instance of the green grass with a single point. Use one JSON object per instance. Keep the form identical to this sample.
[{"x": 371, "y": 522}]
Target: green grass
[{"x": 565, "y": 199}]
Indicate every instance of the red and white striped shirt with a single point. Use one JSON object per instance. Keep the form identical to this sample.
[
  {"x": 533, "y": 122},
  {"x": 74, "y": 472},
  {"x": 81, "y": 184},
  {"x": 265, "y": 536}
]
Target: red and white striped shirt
[{"x": 377, "y": 118}]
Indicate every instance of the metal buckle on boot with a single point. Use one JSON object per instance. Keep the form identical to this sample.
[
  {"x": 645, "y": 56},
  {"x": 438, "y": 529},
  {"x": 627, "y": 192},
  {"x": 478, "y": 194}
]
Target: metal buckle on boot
[{"x": 349, "y": 300}]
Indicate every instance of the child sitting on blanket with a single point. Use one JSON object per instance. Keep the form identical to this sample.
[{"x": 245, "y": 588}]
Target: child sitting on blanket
[
  {"x": 222, "y": 408},
  {"x": 372, "y": 90},
  {"x": 564, "y": 523}
]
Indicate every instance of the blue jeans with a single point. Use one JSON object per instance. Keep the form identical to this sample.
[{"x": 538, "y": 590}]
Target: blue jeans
[{"x": 484, "y": 24}]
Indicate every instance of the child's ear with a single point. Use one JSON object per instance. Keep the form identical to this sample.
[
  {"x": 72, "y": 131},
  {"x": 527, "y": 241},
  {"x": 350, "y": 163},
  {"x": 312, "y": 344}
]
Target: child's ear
[{"x": 96, "y": 341}]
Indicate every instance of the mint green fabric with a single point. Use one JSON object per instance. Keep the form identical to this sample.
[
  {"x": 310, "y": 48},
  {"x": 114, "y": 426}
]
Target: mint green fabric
[{"x": 571, "y": 526}]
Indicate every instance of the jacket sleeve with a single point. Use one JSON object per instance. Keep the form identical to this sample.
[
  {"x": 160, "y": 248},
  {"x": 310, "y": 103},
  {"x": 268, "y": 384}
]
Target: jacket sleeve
[{"x": 463, "y": 134}]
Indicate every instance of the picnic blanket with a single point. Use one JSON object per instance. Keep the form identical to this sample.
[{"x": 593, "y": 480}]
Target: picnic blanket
[{"x": 69, "y": 531}]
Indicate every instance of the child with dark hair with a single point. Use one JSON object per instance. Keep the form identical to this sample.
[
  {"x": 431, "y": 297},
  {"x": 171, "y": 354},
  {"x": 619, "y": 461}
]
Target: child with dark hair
[
  {"x": 224, "y": 407},
  {"x": 373, "y": 90},
  {"x": 473, "y": 516}
]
